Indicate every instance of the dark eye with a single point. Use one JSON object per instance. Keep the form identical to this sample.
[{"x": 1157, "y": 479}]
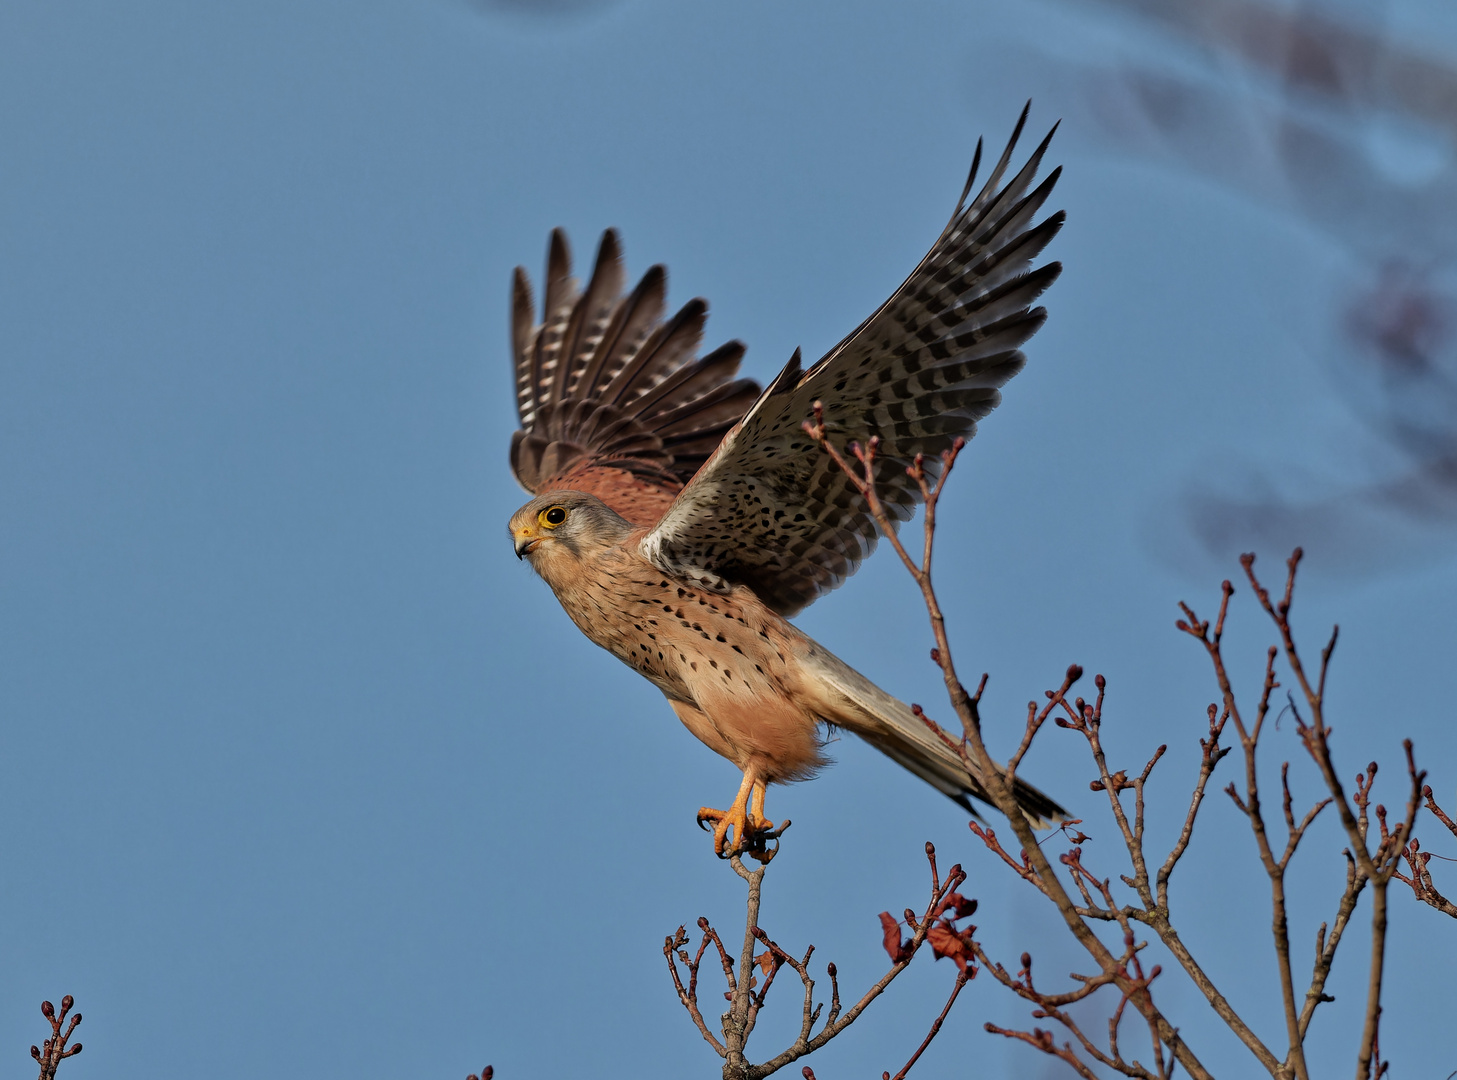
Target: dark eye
[{"x": 553, "y": 516}]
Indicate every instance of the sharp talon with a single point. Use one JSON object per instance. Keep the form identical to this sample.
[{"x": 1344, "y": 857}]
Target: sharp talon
[{"x": 747, "y": 823}]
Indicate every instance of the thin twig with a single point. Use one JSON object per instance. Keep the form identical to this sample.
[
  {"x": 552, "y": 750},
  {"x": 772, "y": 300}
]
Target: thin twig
[
  {"x": 973, "y": 751},
  {"x": 962, "y": 979},
  {"x": 1416, "y": 859},
  {"x": 747, "y": 994},
  {"x": 54, "y": 1050}
]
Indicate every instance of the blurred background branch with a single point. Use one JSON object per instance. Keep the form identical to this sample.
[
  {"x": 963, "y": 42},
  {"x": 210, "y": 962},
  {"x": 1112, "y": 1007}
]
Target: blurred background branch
[{"x": 1320, "y": 112}]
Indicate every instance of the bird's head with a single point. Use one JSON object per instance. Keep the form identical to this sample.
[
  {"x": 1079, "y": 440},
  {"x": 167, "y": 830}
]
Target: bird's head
[{"x": 564, "y": 526}]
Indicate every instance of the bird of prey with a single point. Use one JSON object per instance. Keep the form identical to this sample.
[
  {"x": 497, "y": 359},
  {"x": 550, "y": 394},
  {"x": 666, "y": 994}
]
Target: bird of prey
[{"x": 682, "y": 514}]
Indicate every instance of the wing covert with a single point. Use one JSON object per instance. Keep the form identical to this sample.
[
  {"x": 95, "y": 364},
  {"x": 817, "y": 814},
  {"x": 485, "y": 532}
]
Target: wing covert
[{"x": 769, "y": 510}]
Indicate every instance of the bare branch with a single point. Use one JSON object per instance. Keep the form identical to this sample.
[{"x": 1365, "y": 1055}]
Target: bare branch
[
  {"x": 1035, "y": 866},
  {"x": 1420, "y": 880},
  {"x": 1210, "y": 755},
  {"x": 751, "y": 980},
  {"x": 961, "y": 980},
  {"x": 1051, "y": 1006},
  {"x": 1092, "y": 899},
  {"x": 1380, "y": 865}
]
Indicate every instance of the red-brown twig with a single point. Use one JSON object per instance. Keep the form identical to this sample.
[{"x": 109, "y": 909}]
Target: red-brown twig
[
  {"x": 1033, "y": 864},
  {"x": 1377, "y": 865},
  {"x": 1370, "y": 860},
  {"x": 1250, "y": 805},
  {"x": 1366, "y": 864},
  {"x": 746, "y": 994},
  {"x": 1420, "y": 880},
  {"x": 962, "y": 979},
  {"x": 1052, "y": 1006},
  {"x": 54, "y": 1050}
]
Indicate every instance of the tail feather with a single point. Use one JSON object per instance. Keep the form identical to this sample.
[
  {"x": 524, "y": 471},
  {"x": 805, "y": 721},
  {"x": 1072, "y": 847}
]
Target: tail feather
[{"x": 849, "y": 700}]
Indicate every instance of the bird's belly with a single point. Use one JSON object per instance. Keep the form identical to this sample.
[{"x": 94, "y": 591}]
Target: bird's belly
[
  {"x": 742, "y": 707},
  {"x": 695, "y": 646},
  {"x": 723, "y": 661},
  {"x": 689, "y": 660}
]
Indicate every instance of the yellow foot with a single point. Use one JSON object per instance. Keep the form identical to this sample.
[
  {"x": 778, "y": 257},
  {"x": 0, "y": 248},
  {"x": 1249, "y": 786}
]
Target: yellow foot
[{"x": 750, "y": 832}]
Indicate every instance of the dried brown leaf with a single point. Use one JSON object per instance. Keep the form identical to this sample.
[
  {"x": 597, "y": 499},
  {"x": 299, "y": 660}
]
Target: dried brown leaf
[{"x": 894, "y": 946}]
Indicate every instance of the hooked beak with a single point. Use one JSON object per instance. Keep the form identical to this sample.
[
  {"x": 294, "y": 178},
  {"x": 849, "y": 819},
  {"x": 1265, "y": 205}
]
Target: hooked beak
[{"x": 526, "y": 545}]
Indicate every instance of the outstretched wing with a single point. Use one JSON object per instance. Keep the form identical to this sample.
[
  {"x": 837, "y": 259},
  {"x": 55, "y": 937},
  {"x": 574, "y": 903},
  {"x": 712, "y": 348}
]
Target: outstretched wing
[
  {"x": 772, "y": 512},
  {"x": 613, "y": 399}
]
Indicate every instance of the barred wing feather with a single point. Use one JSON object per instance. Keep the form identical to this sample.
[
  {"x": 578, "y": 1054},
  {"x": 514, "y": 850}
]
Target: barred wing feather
[
  {"x": 612, "y": 396},
  {"x": 770, "y": 512}
]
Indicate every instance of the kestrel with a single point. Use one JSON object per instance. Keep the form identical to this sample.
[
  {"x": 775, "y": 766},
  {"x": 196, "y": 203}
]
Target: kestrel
[{"x": 682, "y": 514}]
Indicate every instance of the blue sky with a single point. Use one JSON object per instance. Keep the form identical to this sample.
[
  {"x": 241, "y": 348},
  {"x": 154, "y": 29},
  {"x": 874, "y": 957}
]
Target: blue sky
[{"x": 303, "y": 772}]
